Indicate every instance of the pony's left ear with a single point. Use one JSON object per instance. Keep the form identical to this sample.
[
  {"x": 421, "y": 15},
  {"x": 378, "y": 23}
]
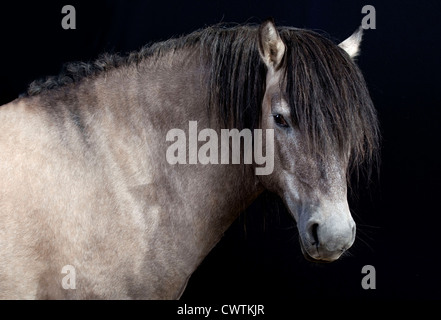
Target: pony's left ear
[
  {"x": 352, "y": 44},
  {"x": 271, "y": 46}
]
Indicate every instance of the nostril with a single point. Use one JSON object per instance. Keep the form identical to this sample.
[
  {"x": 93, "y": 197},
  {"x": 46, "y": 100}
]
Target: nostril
[{"x": 314, "y": 233}]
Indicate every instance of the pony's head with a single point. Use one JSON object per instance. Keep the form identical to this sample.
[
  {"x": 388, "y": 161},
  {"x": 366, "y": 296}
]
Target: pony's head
[{"x": 325, "y": 126}]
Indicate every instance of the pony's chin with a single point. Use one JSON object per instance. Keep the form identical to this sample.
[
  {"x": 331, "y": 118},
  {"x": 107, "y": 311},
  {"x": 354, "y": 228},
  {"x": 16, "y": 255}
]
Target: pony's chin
[{"x": 311, "y": 259}]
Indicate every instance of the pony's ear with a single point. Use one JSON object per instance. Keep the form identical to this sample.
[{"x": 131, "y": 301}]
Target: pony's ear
[
  {"x": 271, "y": 46},
  {"x": 352, "y": 44}
]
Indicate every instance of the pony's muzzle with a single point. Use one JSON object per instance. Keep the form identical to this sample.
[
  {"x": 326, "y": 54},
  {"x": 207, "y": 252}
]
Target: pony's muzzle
[{"x": 326, "y": 241}]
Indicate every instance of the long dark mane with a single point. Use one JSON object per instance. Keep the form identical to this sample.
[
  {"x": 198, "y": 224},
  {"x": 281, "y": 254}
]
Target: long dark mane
[{"x": 327, "y": 94}]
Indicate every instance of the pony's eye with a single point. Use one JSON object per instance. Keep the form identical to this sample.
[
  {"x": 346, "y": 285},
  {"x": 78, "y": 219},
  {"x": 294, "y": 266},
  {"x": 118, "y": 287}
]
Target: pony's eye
[{"x": 280, "y": 120}]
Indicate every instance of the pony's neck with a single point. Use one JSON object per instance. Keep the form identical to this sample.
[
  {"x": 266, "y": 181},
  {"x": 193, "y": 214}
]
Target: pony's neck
[
  {"x": 211, "y": 196},
  {"x": 187, "y": 207}
]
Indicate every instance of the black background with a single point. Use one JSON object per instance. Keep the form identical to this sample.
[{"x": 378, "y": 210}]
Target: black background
[{"x": 259, "y": 258}]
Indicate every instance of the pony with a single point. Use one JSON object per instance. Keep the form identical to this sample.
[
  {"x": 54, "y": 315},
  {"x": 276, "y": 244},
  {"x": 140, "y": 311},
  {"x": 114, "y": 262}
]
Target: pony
[{"x": 90, "y": 208}]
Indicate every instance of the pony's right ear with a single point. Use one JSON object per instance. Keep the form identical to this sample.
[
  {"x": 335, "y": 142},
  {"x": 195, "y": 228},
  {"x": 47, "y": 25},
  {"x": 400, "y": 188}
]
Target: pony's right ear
[{"x": 271, "y": 47}]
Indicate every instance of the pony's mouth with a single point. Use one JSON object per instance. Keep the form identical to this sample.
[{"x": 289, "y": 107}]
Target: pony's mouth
[{"x": 307, "y": 256}]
